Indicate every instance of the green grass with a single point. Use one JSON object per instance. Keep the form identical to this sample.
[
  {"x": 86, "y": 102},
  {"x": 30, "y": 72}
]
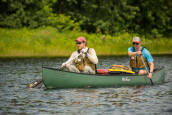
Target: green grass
[{"x": 48, "y": 42}]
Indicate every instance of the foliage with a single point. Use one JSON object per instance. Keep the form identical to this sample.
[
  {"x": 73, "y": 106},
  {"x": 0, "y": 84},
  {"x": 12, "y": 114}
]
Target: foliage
[
  {"x": 150, "y": 18},
  {"x": 23, "y": 13},
  {"x": 153, "y": 18},
  {"x": 48, "y": 42},
  {"x": 62, "y": 23}
]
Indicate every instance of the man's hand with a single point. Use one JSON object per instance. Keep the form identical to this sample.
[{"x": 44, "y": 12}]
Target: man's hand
[
  {"x": 139, "y": 52},
  {"x": 84, "y": 50},
  {"x": 84, "y": 53},
  {"x": 150, "y": 75},
  {"x": 63, "y": 65}
]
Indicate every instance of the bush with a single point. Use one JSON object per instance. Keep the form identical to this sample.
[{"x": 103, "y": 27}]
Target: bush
[{"x": 63, "y": 23}]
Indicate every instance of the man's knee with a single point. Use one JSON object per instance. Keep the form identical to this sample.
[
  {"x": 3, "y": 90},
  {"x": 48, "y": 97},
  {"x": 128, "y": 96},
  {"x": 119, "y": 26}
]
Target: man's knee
[{"x": 142, "y": 72}]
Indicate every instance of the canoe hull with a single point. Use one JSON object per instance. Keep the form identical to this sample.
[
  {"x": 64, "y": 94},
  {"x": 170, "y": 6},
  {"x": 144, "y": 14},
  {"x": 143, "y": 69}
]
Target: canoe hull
[{"x": 59, "y": 79}]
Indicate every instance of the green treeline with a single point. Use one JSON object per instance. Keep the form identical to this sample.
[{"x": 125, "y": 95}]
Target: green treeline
[{"x": 149, "y": 18}]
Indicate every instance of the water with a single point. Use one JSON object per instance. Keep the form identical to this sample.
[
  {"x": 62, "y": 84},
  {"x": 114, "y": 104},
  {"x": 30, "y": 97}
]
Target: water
[{"x": 15, "y": 98}]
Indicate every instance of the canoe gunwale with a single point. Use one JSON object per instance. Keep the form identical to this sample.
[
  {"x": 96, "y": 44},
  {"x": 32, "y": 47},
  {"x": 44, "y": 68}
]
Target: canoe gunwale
[{"x": 123, "y": 74}]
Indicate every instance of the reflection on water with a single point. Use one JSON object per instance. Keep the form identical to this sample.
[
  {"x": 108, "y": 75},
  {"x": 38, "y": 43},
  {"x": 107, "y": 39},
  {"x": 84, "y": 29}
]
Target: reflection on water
[{"x": 15, "y": 98}]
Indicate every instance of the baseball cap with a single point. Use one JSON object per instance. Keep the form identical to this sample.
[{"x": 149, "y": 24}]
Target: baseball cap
[
  {"x": 136, "y": 39},
  {"x": 80, "y": 39}
]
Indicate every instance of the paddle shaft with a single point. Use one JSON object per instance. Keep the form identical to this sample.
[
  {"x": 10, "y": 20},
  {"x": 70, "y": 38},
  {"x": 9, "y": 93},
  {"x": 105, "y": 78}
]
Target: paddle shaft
[
  {"x": 38, "y": 83},
  {"x": 146, "y": 69},
  {"x": 70, "y": 60}
]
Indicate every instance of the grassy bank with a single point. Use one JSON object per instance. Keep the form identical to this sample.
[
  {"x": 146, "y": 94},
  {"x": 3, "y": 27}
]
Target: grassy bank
[{"x": 48, "y": 42}]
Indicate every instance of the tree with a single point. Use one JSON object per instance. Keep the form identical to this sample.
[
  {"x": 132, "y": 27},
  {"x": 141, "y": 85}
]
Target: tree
[{"x": 20, "y": 13}]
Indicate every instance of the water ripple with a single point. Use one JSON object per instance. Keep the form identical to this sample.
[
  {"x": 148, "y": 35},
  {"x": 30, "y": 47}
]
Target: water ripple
[{"x": 15, "y": 98}]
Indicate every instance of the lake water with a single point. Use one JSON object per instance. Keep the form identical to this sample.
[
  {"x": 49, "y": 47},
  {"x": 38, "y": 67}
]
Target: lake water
[{"x": 15, "y": 98}]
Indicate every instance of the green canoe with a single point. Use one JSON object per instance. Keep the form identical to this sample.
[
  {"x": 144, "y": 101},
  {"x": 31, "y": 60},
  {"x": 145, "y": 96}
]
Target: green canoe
[{"x": 53, "y": 78}]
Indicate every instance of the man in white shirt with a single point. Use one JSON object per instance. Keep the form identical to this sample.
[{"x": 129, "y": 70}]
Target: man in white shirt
[{"x": 83, "y": 60}]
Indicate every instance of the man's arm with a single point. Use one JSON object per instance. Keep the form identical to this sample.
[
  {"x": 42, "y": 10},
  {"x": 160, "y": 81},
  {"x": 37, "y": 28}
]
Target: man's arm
[
  {"x": 70, "y": 60},
  {"x": 92, "y": 56},
  {"x": 134, "y": 53},
  {"x": 150, "y": 60},
  {"x": 151, "y": 65}
]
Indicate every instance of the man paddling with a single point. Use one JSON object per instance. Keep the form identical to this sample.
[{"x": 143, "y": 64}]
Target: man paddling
[
  {"x": 83, "y": 60},
  {"x": 139, "y": 58}
]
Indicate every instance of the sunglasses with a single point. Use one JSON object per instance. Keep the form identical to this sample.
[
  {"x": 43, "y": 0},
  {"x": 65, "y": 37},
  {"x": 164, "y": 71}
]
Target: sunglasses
[
  {"x": 78, "y": 42},
  {"x": 135, "y": 43}
]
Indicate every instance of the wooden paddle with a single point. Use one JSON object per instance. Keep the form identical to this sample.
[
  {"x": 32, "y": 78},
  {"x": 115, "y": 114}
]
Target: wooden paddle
[{"x": 146, "y": 69}]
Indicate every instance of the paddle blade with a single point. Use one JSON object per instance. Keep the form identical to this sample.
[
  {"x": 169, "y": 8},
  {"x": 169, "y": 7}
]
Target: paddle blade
[{"x": 35, "y": 84}]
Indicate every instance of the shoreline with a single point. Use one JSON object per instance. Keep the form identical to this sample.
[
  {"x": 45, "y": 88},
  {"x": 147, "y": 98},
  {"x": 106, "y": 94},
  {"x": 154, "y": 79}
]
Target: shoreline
[
  {"x": 47, "y": 42},
  {"x": 121, "y": 55}
]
